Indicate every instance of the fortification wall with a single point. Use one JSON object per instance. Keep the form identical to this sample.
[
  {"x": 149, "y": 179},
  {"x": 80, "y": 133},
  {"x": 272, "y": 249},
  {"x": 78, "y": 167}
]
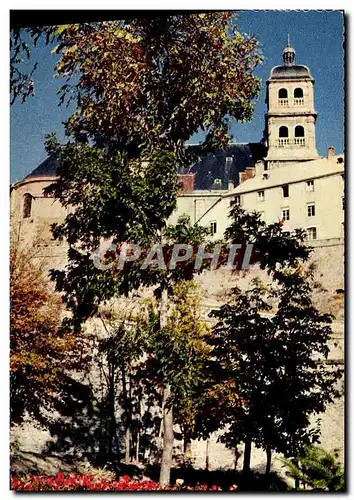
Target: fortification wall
[{"x": 328, "y": 257}]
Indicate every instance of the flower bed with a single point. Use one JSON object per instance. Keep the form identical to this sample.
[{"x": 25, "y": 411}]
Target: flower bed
[{"x": 87, "y": 482}]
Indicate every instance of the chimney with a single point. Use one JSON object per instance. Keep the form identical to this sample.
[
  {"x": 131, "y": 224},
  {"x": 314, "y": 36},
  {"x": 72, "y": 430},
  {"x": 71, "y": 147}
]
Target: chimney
[
  {"x": 247, "y": 174},
  {"x": 186, "y": 183},
  {"x": 230, "y": 186},
  {"x": 330, "y": 152}
]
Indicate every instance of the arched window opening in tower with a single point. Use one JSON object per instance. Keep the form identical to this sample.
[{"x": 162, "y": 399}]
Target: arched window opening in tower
[
  {"x": 299, "y": 135},
  {"x": 27, "y": 205},
  {"x": 283, "y": 136},
  {"x": 298, "y": 97},
  {"x": 283, "y": 97},
  {"x": 283, "y": 132}
]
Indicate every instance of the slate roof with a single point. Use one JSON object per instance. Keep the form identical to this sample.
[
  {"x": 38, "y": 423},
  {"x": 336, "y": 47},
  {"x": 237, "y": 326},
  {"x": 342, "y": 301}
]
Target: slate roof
[
  {"x": 288, "y": 72},
  {"x": 225, "y": 165},
  {"x": 48, "y": 168},
  {"x": 221, "y": 166}
]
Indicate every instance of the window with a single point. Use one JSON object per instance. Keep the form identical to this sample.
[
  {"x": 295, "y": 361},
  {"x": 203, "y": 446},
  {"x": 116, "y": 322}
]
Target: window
[
  {"x": 299, "y": 131},
  {"x": 260, "y": 195},
  {"x": 285, "y": 214},
  {"x": 238, "y": 200},
  {"x": 311, "y": 209},
  {"x": 298, "y": 93},
  {"x": 311, "y": 233},
  {"x": 228, "y": 159},
  {"x": 310, "y": 186},
  {"x": 27, "y": 205},
  {"x": 286, "y": 191},
  {"x": 213, "y": 227},
  {"x": 343, "y": 203},
  {"x": 283, "y": 94},
  {"x": 283, "y": 132}
]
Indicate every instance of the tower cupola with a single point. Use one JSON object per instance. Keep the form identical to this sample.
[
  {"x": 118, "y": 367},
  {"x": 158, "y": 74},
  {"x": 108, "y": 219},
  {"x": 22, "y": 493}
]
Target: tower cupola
[{"x": 289, "y": 54}]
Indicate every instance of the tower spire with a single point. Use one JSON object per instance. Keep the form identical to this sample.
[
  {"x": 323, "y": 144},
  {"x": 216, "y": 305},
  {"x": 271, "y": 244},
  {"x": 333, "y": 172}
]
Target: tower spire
[{"x": 288, "y": 39}]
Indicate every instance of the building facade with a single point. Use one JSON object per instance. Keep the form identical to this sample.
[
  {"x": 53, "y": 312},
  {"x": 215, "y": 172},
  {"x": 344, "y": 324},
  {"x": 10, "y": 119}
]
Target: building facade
[{"x": 291, "y": 183}]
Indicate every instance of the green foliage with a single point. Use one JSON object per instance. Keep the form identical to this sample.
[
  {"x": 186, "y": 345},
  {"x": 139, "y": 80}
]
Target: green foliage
[
  {"x": 272, "y": 250},
  {"x": 115, "y": 200},
  {"x": 96, "y": 472},
  {"x": 317, "y": 469},
  {"x": 137, "y": 105},
  {"x": 276, "y": 363},
  {"x": 180, "y": 349}
]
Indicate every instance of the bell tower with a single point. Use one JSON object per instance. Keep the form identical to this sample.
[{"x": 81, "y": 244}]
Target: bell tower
[{"x": 290, "y": 119}]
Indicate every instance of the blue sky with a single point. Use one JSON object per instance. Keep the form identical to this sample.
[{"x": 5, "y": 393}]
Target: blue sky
[{"x": 316, "y": 36}]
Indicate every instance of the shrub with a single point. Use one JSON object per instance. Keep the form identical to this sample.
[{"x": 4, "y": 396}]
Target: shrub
[{"x": 317, "y": 469}]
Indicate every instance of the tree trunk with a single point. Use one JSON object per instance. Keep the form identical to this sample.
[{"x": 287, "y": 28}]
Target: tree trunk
[
  {"x": 187, "y": 444},
  {"x": 269, "y": 460},
  {"x": 207, "y": 454},
  {"x": 168, "y": 437},
  {"x": 112, "y": 420},
  {"x": 137, "y": 445},
  {"x": 247, "y": 455},
  {"x": 127, "y": 420},
  {"x": 127, "y": 444}
]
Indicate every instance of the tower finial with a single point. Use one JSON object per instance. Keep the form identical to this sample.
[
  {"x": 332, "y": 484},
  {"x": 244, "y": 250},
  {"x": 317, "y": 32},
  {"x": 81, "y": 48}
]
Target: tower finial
[{"x": 288, "y": 54}]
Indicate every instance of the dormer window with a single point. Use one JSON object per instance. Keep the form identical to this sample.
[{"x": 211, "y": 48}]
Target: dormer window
[{"x": 27, "y": 205}]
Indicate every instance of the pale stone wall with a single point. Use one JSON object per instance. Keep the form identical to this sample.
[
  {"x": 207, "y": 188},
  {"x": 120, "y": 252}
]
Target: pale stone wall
[
  {"x": 207, "y": 207},
  {"x": 290, "y": 112}
]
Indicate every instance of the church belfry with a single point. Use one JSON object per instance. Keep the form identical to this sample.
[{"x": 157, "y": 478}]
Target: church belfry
[{"x": 291, "y": 116}]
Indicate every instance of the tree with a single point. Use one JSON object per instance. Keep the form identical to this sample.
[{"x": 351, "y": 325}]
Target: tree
[
  {"x": 123, "y": 347},
  {"x": 41, "y": 355},
  {"x": 271, "y": 355},
  {"x": 180, "y": 352},
  {"x": 137, "y": 104},
  {"x": 182, "y": 73},
  {"x": 241, "y": 358},
  {"x": 182, "y": 233}
]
